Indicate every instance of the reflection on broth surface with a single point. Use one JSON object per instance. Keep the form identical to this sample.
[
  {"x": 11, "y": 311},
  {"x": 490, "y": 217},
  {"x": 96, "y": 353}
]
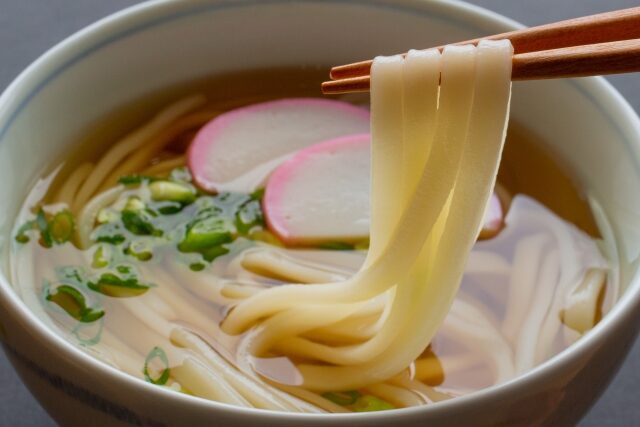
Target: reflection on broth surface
[{"x": 139, "y": 267}]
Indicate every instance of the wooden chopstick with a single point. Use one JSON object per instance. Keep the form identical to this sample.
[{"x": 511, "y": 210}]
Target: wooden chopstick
[
  {"x": 576, "y": 61},
  {"x": 604, "y": 27},
  {"x": 607, "y": 43}
]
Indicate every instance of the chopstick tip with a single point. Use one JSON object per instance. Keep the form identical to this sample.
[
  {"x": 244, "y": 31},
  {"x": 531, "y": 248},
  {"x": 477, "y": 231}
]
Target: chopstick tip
[
  {"x": 326, "y": 88},
  {"x": 349, "y": 85},
  {"x": 357, "y": 69}
]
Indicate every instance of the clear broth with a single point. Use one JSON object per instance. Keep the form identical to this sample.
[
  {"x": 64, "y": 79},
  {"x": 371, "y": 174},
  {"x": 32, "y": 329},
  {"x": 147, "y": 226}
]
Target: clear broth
[{"x": 526, "y": 169}]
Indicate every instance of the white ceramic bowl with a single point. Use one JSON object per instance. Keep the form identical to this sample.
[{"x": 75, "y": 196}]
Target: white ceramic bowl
[{"x": 584, "y": 122}]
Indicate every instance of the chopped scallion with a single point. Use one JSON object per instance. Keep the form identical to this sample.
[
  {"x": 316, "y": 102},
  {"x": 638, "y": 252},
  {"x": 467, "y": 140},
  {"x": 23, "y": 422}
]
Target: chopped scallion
[
  {"x": 43, "y": 226},
  {"x": 161, "y": 373},
  {"x": 134, "y": 204},
  {"x": 21, "y": 236},
  {"x": 368, "y": 403},
  {"x": 114, "y": 239},
  {"x": 139, "y": 223},
  {"x": 142, "y": 249},
  {"x": 89, "y": 334},
  {"x": 173, "y": 191},
  {"x": 336, "y": 246},
  {"x": 257, "y": 194},
  {"x": 107, "y": 215},
  {"x": 197, "y": 266},
  {"x": 111, "y": 285},
  {"x": 206, "y": 233},
  {"x": 135, "y": 179},
  {"x": 112, "y": 233},
  {"x": 101, "y": 257},
  {"x": 249, "y": 216},
  {"x": 168, "y": 207},
  {"x": 342, "y": 397},
  {"x": 74, "y": 303},
  {"x": 62, "y": 226}
]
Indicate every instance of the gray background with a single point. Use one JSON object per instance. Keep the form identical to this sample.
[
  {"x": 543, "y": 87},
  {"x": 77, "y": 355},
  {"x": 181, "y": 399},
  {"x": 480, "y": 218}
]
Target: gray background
[{"x": 29, "y": 27}]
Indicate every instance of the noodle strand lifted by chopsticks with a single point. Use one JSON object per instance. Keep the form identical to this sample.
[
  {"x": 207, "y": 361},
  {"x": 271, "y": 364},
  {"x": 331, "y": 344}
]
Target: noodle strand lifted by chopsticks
[{"x": 425, "y": 215}]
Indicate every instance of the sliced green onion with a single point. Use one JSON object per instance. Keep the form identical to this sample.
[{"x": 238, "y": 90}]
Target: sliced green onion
[
  {"x": 124, "y": 269},
  {"x": 168, "y": 207},
  {"x": 249, "y": 216},
  {"x": 368, "y": 403},
  {"x": 74, "y": 303},
  {"x": 134, "y": 204},
  {"x": 214, "y": 252},
  {"x": 115, "y": 239},
  {"x": 135, "y": 179},
  {"x": 111, "y": 285},
  {"x": 173, "y": 191},
  {"x": 112, "y": 233},
  {"x": 69, "y": 273},
  {"x": 21, "y": 235},
  {"x": 62, "y": 226},
  {"x": 89, "y": 333},
  {"x": 336, "y": 246},
  {"x": 139, "y": 223},
  {"x": 257, "y": 194},
  {"x": 157, "y": 356},
  {"x": 43, "y": 226},
  {"x": 342, "y": 397},
  {"x": 101, "y": 257},
  {"x": 107, "y": 215},
  {"x": 142, "y": 249},
  {"x": 138, "y": 219},
  {"x": 206, "y": 233},
  {"x": 197, "y": 266},
  {"x": 57, "y": 229}
]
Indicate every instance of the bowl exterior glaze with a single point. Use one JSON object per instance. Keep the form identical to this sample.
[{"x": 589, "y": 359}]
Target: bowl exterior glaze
[{"x": 585, "y": 123}]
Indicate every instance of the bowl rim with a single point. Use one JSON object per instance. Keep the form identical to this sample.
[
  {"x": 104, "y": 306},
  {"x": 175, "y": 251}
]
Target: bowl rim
[{"x": 144, "y": 15}]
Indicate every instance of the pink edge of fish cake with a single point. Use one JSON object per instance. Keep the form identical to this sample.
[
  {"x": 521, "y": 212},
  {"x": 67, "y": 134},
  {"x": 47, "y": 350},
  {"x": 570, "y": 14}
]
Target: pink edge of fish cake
[
  {"x": 493, "y": 220},
  {"x": 277, "y": 185},
  {"x": 202, "y": 148}
]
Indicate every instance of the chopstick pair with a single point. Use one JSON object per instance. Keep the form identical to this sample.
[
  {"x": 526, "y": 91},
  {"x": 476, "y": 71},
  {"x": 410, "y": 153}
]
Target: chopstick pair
[{"x": 606, "y": 43}]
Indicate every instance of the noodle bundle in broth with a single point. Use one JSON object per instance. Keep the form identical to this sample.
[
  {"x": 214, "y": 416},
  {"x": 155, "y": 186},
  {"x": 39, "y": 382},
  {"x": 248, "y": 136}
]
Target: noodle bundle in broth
[
  {"x": 418, "y": 237},
  {"x": 272, "y": 281}
]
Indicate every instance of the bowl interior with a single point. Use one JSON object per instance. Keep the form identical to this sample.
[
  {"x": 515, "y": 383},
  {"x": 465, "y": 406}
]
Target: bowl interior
[{"x": 584, "y": 122}]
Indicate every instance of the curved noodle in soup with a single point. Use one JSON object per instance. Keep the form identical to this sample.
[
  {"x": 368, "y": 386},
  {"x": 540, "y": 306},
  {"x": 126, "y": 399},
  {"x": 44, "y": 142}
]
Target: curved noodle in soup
[{"x": 275, "y": 255}]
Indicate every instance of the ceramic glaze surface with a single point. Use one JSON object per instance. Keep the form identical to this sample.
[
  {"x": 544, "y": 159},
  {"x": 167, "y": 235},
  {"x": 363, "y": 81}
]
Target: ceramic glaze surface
[{"x": 585, "y": 123}]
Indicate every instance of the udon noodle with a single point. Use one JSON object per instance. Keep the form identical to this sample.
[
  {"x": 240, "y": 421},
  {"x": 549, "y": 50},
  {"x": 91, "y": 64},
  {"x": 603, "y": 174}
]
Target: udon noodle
[{"x": 192, "y": 291}]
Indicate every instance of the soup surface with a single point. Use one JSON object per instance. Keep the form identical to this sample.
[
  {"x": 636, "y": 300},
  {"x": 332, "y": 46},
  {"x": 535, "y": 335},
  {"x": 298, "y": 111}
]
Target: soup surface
[{"x": 162, "y": 262}]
